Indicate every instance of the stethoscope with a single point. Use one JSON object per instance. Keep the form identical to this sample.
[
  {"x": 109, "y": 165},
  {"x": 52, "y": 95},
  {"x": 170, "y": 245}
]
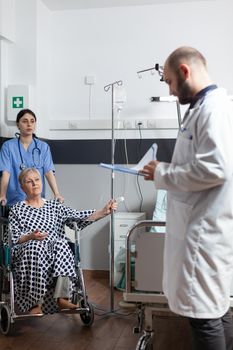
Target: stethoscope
[{"x": 34, "y": 151}]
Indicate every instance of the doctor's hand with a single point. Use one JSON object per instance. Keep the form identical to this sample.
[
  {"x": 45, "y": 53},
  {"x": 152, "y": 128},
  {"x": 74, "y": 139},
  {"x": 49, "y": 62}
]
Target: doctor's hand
[{"x": 148, "y": 170}]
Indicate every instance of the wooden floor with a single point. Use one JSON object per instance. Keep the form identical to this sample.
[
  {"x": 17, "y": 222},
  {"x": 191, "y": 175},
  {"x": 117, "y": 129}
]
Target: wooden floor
[{"x": 110, "y": 331}]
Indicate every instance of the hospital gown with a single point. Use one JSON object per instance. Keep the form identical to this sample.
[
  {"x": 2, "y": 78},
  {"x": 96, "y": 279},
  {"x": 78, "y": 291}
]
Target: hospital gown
[{"x": 36, "y": 264}]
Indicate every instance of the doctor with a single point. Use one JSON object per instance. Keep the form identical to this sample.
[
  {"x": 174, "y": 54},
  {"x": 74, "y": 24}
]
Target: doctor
[
  {"x": 25, "y": 151},
  {"x": 198, "y": 256}
]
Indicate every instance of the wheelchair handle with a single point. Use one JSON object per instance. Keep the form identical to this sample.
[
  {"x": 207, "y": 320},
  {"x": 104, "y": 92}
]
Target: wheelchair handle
[{"x": 4, "y": 212}]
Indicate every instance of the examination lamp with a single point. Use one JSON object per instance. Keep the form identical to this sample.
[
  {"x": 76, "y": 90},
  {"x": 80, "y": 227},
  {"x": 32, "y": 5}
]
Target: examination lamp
[
  {"x": 157, "y": 67},
  {"x": 160, "y": 69}
]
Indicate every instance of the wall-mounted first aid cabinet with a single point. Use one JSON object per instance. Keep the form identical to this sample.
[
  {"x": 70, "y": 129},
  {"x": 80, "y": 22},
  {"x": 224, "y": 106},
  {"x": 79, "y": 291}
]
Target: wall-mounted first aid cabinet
[{"x": 17, "y": 99}]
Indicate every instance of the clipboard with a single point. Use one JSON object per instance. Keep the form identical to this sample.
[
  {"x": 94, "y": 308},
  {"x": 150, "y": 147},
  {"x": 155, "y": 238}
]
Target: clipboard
[
  {"x": 122, "y": 169},
  {"x": 150, "y": 155}
]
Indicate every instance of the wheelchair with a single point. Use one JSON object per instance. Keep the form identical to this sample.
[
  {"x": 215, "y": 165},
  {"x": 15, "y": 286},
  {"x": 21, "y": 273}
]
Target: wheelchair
[{"x": 8, "y": 309}]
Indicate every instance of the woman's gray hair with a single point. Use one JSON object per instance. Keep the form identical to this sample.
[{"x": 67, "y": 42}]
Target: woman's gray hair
[{"x": 25, "y": 172}]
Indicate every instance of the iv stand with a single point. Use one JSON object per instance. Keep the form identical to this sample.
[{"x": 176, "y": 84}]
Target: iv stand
[{"x": 112, "y": 228}]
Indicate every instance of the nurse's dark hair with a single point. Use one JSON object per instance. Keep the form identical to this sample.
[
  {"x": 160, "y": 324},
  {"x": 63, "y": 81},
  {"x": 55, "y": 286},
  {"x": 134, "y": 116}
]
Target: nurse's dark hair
[
  {"x": 25, "y": 172},
  {"x": 185, "y": 54},
  {"x": 23, "y": 112}
]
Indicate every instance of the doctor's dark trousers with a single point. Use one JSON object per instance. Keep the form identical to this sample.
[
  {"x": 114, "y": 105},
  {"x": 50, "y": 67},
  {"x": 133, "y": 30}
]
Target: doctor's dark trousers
[{"x": 212, "y": 334}]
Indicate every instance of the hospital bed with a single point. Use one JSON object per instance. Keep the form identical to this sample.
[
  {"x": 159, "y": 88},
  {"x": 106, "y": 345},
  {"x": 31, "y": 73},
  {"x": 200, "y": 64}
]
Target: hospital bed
[
  {"x": 145, "y": 290},
  {"x": 8, "y": 310}
]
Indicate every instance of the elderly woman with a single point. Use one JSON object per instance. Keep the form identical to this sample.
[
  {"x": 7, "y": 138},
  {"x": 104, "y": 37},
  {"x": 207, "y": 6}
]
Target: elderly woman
[{"x": 42, "y": 259}]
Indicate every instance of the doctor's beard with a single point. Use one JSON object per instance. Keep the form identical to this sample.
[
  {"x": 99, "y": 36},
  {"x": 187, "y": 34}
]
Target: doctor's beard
[{"x": 184, "y": 91}]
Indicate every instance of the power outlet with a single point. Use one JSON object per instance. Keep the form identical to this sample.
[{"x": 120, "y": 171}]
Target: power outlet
[
  {"x": 89, "y": 80},
  {"x": 128, "y": 124},
  {"x": 151, "y": 124},
  {"x": 140, "y": 124},
  {"x": 72, "y": 124}
]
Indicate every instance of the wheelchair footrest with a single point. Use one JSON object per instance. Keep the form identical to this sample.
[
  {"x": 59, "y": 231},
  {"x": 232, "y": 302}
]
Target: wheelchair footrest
[{"x": 73, "y": 311}]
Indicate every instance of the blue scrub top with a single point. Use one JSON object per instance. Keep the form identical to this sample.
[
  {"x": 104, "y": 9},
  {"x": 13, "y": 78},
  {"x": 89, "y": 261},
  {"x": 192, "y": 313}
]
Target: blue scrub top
[{"x": 10, "y": 161}]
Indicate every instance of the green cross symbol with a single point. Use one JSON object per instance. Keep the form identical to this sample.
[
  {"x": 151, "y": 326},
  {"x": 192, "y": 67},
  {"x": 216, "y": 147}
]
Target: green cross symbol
[{"x": 17, "y": 102}]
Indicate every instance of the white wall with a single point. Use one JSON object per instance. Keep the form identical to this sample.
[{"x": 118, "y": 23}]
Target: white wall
[
  {"x": 114, "y": 43},
  {"x": 7, "y": 19},
  {"x": 21, "y": 53},
  {"x": 43, "y": 91},
  {"x": 7, "y": 35}
]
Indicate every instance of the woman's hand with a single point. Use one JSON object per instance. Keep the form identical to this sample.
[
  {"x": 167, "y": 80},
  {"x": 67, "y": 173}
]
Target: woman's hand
[
  {"x": 59, "y": 197},
  {"x": 106, "y": 210},
  {"x": 38, "y": 236},
  {"x": 110, "y": 206},
  {"x": 3, "y": 200},
  {"x": 35, "y": 235}
]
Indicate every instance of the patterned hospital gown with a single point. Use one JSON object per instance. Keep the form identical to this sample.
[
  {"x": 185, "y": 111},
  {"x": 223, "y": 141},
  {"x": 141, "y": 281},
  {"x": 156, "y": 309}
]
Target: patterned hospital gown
[{"x": 36, "y": 264}]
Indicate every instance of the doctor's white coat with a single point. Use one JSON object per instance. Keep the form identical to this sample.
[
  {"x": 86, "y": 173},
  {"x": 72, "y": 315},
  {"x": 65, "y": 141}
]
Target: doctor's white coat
[{"x": 198, "y": 255}]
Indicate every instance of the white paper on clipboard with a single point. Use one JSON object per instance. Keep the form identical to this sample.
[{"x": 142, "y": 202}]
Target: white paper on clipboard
[{"x": 150, "y": 155}]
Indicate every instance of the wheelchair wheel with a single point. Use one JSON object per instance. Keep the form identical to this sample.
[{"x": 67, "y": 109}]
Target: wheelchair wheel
[
  {"x": 6, "y": 326},
  {"x": 87, "y": 316},
  {"x": 145, "y": 343}
]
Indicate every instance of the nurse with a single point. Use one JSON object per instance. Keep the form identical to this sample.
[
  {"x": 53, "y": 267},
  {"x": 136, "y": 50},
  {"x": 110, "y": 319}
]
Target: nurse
[
  {"x": 25, "y": 151},
  {"x": 198, "y": 254}
]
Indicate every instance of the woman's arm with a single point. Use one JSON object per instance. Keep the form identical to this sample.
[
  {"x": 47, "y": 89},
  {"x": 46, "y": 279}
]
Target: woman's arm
[
  {"x": 50, "y": 177},
  {"x": 85, "y": 217}
]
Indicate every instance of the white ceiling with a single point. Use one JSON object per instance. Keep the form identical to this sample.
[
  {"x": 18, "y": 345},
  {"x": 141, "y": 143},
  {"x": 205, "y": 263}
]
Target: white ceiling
[{"x": 84, "y": 4}]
